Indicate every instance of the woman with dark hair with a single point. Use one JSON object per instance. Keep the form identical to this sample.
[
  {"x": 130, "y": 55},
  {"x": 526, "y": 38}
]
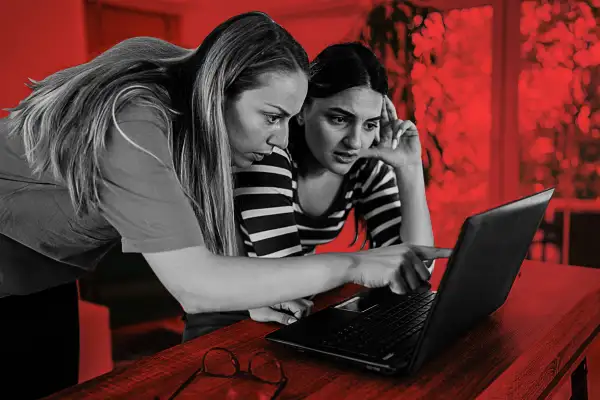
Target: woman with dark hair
[
  {"x": 137, "y": 146},
  {"x": 348, "y": 150}
]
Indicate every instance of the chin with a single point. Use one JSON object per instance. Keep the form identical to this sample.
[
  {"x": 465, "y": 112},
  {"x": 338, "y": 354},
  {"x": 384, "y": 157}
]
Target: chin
[
  {"x": 241, "y": 162},
  {"x": 339, "y": 168}
]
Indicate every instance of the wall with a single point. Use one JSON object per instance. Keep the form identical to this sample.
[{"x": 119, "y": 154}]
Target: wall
[
  {"x": 315, "y": 24},
  {"x": 38, "y": 38}
]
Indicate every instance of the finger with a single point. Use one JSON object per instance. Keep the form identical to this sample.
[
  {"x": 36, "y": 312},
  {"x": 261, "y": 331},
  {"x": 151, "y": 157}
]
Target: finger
[
  {"x": 307, "y": 302},
  {"x": 385, "y": 117},
  {"x": 278, "y": 316},
  {"x": 419, "y": 268},
  {"x": 393, "y": 115},
  {"x": 409, "y": 127},
  {"x": 409, "y": 271},
  {"x": 385, "y": 131},
  {"x": 381, "y": 153},
  {"x": 294, "y": 307},
  {"x": 431, "y": 253},
  {"x": 270, "y": 315},
  {"x": 398, "y": 132},
  {"x": 398, "y": 285},
  {"x": 370, "y": 152},
  {"x": 406, "y": 128},
  {"x": 307, "y": 306}
]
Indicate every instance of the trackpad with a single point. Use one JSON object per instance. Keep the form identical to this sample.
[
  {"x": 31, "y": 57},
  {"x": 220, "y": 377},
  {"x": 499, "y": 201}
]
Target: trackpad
[{"x": 357, "y": 304}]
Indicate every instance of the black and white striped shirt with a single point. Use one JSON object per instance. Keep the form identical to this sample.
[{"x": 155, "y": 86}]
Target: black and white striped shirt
[{"x": 274, "y": 225}]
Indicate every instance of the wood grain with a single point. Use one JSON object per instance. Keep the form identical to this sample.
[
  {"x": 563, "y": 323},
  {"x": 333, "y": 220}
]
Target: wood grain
[{"x": 521, "y": 351}]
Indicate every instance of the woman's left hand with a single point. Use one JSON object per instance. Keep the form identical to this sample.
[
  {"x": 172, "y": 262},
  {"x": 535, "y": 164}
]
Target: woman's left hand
[
  {"x": 284, "y": 313},
  {"x": 399, "y": 143}
]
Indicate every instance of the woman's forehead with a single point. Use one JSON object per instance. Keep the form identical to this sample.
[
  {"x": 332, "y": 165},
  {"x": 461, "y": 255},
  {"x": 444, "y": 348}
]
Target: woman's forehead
[
  {"x": 364, "y": 102},
  {"x": 286, "y": 91}
]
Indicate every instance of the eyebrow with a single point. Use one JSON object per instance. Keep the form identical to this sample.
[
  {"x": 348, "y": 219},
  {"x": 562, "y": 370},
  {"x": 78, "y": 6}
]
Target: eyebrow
[
  {"x": 283, "y": 111},
  {"x": 349, "y": 114}
]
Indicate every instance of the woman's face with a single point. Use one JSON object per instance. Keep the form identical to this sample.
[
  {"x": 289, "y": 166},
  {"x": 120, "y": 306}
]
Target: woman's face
[
  {"x": 258, "y": 119},
  {"x": 338, "y": 127}
]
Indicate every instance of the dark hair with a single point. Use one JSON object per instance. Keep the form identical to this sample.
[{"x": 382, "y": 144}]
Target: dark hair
[
  {"x": 337, "y": 68},
  {"x": 344, "y": 66}
]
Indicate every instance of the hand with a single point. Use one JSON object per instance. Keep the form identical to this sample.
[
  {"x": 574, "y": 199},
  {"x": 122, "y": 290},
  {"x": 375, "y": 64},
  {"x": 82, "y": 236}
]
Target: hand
[
  {"x": 400, "y": 266},
  {"x": 295, "y": 309},
  {"x": 399, "y": 143}
]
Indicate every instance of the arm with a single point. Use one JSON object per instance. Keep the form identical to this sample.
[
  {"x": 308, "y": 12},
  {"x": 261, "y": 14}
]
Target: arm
[
  {"x": 394, "y": 206},
  {"x": 204, "y": 282},
  {"x": 400, "y": 148},
  {"x": 141, "y": 198},
  {"x": 379, "y": 204},
  {"x": 416, "y": 221}
]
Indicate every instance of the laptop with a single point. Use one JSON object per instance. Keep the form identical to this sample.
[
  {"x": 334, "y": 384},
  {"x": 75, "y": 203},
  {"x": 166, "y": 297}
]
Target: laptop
[{"x": 393, "y": 334}]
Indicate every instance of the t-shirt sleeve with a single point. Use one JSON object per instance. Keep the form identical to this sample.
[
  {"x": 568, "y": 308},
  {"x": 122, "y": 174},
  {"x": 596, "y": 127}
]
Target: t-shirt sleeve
[
  {"x": 140, "y": 194},
  {"x": 380, "y": 205},
  {"x": 264, "y": 206}
]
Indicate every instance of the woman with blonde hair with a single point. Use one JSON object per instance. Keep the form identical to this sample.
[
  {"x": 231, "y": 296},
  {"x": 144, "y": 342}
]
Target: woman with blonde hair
[
  {"x": 137, "y": 146},
  {"x": 348, "y": 150}
]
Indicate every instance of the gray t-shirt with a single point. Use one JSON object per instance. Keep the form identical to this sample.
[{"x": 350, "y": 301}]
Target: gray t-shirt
[{"x": 43, "y": 243}]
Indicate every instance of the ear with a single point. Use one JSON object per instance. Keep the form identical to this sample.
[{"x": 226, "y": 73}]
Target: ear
[{"x": 301, "y": 117}]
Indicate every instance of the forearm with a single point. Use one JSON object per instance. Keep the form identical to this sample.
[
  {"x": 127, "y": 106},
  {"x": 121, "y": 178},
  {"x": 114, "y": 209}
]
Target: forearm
[
  {"x": 216, "y": 283},
  {"x": 416, "y": 221}
]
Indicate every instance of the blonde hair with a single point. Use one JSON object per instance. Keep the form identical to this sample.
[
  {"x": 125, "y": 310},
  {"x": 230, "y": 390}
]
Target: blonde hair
[{"x": 65, "y": 120}]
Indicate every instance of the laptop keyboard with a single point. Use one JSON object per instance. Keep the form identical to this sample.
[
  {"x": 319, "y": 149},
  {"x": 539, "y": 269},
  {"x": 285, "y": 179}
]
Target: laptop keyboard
[{"x": 385, "y": 331}]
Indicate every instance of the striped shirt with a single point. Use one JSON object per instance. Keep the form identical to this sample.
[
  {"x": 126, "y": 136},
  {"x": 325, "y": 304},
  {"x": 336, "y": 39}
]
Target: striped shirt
[{"x": 274, "y": 225}]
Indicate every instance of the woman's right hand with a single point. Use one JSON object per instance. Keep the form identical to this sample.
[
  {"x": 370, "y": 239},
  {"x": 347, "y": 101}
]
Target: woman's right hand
[{"x": 400, "y": 266}]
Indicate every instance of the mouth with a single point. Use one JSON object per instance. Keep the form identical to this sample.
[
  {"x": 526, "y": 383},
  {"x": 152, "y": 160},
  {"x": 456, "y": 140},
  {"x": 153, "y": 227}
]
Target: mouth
[
  {"x": 258, "y": 156},
  {"x": 345, "y": 157}
]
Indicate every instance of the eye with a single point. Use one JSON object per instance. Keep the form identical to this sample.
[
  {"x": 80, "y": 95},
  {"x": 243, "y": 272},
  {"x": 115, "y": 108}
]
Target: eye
[
  {"x": 338, "y": 119},
  {"x": 272, "y": 119},
  {"x": 371, "y": 126}
]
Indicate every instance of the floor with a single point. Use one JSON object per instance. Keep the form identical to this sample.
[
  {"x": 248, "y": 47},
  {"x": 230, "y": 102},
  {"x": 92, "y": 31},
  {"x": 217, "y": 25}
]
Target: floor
[{"x": 137, "y": 341}]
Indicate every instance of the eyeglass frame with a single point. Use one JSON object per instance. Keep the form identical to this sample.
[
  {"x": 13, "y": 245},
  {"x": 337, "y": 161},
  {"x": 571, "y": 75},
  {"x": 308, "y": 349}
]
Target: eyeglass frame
[{"x": 280, "y": 384}]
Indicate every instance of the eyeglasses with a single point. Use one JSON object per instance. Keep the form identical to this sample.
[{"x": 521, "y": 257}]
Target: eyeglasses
[{"x": 269, "y": 371}]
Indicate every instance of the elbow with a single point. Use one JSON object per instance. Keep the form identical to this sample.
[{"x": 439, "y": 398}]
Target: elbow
[
  {"x": 194, "y": 302},
  {"x": 198, "y": 299},
  {"x": 193, "y": 277},
  {"x": 189, "y": 306}
]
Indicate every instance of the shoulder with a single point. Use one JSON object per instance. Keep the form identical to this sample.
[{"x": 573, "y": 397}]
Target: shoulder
[
  {"x": 137, "y": 115},
  {"x": 137, "y": 128}
]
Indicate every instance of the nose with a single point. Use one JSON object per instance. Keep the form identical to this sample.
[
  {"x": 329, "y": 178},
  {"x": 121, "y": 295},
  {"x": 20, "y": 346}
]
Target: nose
[
  {"x": 280, "y": 138},
  {"x": 353, "y": 138}
]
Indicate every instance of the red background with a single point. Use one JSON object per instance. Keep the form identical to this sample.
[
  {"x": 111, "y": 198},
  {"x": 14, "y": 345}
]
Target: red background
[{"x": 513, "y": 99}]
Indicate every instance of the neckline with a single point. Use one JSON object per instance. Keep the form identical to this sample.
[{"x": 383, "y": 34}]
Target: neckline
[{"x": 339, "y": 196}]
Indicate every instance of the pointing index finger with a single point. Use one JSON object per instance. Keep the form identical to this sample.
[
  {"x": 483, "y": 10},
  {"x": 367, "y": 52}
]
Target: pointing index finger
[{"x": 431, "y": 253}]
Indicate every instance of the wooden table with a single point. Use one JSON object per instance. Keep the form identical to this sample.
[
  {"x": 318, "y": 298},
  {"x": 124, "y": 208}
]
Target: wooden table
[{"x": 523, "y": 351}]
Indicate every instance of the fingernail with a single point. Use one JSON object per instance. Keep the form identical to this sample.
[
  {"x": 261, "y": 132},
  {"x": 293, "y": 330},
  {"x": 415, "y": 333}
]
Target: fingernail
[{"x": 292, "y": 320}]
